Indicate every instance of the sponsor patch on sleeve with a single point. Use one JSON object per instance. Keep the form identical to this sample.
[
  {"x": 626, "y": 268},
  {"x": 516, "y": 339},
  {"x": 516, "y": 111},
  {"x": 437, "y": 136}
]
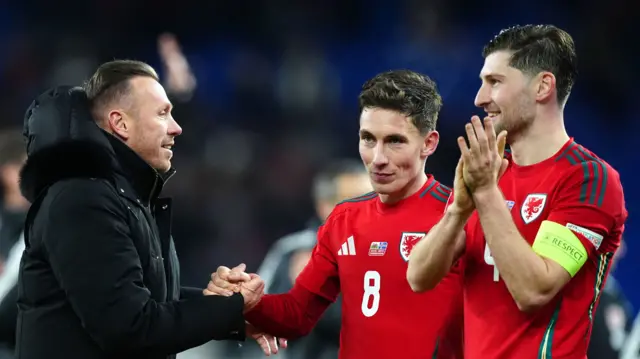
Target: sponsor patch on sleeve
[{"x": 591, "y": 236}]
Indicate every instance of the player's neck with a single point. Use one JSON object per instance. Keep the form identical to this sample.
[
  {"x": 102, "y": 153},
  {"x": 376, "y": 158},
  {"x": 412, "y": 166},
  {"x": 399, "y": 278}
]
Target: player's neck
[
  {"x": 410, "y": 189},
  {"x": 542, "y": 140}
]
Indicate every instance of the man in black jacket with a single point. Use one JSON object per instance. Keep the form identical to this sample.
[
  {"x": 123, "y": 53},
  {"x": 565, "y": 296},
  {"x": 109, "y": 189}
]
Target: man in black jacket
[{"x": 100, "y": 276}]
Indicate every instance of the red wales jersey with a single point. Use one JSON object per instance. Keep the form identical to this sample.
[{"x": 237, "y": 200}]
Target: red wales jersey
[
  {"x": 362, "y": 252},
  {"x": 575, "y": 189}
]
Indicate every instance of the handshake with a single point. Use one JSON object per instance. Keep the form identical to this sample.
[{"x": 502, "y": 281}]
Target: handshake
[{"x": 226, "y": 282}]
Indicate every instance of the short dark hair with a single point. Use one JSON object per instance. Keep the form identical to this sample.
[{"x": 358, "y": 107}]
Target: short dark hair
[
  {"x": 539, "y": 48},
  {"x": 407, "y": 92},
  {"x": 324, "y": 183},
  {"x": 12, "y": 147},
  {"x": 112, "y": 80}
]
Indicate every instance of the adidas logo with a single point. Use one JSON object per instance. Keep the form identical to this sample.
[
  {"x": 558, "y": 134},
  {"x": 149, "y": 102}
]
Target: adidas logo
[{"x": 348, "y": 248}]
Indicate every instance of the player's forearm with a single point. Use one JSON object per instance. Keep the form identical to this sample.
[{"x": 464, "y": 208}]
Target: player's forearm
[
  {"x": 432, "y": 257},
  {"x": 289, "y": 315},
  {"x": 523, "y": 271}
]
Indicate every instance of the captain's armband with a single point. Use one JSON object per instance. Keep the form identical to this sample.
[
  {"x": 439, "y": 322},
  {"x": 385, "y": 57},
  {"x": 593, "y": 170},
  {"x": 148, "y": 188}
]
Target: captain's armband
[{"x": 559, "y": 243}]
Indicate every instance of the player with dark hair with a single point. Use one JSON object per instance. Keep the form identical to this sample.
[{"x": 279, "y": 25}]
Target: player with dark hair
[
  {"x": 363, "y": 248},
  {"x": 536, "y": 231}
]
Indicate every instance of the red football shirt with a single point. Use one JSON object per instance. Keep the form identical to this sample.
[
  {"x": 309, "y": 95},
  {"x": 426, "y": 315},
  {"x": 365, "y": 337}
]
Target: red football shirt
[
  {"x": 576, "y": 189},
  {"x": 362, "y": 252}
]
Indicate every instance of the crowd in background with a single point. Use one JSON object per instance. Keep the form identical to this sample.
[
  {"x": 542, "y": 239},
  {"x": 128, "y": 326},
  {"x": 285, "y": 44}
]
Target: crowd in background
[{"x": 267, "y": 97}]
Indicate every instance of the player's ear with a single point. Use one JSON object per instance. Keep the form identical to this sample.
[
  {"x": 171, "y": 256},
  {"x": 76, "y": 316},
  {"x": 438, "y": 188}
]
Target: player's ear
[
  {"x": 430, "y": 144},
  {"x": 545, "y": 86}
]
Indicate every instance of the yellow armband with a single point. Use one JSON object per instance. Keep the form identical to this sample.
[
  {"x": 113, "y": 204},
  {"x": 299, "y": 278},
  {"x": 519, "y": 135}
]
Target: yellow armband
[{"x": 557, "y": 242}]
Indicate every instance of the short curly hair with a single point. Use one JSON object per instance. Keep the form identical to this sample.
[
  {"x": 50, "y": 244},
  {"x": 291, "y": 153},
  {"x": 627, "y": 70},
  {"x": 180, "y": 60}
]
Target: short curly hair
[{"x": 407, "y": 92}]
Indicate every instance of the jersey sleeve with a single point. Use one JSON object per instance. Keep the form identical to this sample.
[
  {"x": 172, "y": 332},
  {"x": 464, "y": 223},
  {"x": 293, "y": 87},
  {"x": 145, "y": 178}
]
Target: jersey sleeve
[
  {"x": 293, "y": 314},
  {"x": 320, "y": 276},
  {"x": 590, "y": 202}
]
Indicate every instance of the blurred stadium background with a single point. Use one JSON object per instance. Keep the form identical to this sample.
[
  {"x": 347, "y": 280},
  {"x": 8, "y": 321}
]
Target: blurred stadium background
[{"x": 277, "y": 84}]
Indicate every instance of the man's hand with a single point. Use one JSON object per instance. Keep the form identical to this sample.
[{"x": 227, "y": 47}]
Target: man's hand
[
  {"x": 227, "y": 281},
  {"x": 179, "y": 77},
  {"x": 268, "y": 343},
  {"x": 483, "y": 161},
  {"x": 462, "y": 201}
]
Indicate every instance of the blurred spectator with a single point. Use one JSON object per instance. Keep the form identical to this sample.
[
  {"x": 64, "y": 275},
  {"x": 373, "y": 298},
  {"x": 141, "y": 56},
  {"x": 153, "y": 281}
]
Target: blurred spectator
[
  {"x": 179, "y": 79},
  {"x": 612, "y": 320},
  {"x": 13, "y": 209},
  {"x": 631, "y": 347},
  {"x": 13, "y": 206}
]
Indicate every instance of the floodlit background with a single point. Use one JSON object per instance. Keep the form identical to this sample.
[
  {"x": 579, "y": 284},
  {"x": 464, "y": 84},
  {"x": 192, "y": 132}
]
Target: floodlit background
[{"x": 275, "y": 88}]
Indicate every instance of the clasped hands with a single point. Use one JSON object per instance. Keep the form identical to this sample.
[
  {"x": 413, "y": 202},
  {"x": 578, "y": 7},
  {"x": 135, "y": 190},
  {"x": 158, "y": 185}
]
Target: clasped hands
[
  {"x": 481, "y": 163},
  {"x": 226, "y": 282}
]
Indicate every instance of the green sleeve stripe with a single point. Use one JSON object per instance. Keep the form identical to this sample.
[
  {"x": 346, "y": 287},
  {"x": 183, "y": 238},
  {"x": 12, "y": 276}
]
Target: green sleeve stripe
[
  {"x": 439, "y": 197},
  {"x": 565, "y": 152},
  {"x": 597, "y": 181},
  {"x": 602, "y": 168},
  {"x": 604, "y": 262},
  {"x": 586, "y": 178},
  {"x": 443, "y": 192},
  {"x": 594, "y": 173},
  {"x": 435, "y": 350},
  {"x": 426, "y": 190},
  {"x": 364, "y": 197},
  {"x": 546, "y": 346},
  {"x": 447, "y": 189}
]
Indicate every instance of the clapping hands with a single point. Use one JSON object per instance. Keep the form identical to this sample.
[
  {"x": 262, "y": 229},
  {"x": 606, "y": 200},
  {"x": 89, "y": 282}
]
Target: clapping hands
[{"x": 483, "y": 160}]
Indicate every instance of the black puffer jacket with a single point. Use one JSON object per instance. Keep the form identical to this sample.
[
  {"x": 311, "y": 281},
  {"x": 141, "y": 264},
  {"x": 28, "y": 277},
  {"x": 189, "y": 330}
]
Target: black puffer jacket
[{"x": 100, "y": 277}]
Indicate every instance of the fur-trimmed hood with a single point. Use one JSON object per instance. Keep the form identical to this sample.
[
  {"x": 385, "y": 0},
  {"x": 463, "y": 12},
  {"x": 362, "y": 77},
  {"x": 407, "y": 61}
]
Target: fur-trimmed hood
[{"x": 63, "y": 141}]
